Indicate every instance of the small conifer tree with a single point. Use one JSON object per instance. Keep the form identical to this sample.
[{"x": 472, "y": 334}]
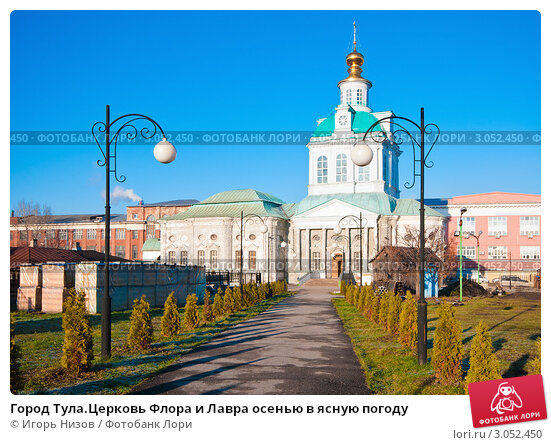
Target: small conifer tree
[
  {"x": 483, "y": 364},
  {"x": 375, "y": 308},
  {"x": 228, "y": 301},
  {"x": 140, "y": 335},
  {"x": 208, "y": 313},
  {"x": 356, "y": 296},
  {"x": 15, "y": 366},
  {"x": 383, "y": 309},
  {"x": 363, "y": 299},
  {"x": 408, "y": 322},
  {"x": 191, "y": 312},
  {"x": 534, "y": 365},
  {"x": 78, "y": 344},
  {"x": 447, "y": 351},
  {"x": 218, "y": 304},
  {"x": 393, "y": 317},
  {"x": 237, "y": 299},
  {"x": 170, "y": 321}
]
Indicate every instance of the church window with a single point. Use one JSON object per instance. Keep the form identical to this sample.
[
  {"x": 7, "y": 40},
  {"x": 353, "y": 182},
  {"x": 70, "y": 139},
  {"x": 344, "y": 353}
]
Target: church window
[
  {"x": 341, "y": 168},
  {"x": 349, "y": 97},
  {"x": 316, "y": 261},
  {"x": 171, "y": 257},
  {"x": 238, "y": 259},
  {"x": 363, "y": 173},
  {"x": 183, "y": 257},
  {"x": 252, "y": 259},
  {"x": 356, "y": 261},
  {"x": 359, "y": 97},
  {"x": 214, "y": 259},
  {"x": 322, "y": 170},
  {"x": 200, "y": 258}
]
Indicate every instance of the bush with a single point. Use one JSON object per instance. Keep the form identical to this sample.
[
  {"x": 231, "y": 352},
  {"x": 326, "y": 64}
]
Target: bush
[
  {"x": 191, "y": 312},
  {"x": 483, "y": 364},
  {"x": 15, "y": 367},
  {"x": 237, "y": 302},
  {"x": 534, "y": 365},
  {"x": 140, "y": 335},
  {"x": 393, "y": 317},
  {"x": 170, "y": 321},
  {"x": 408, "y": 322},
  {"x": 356, "y": 296},
  {"x": 78, "y": 345},
  {"x": 369, "y": 303},
  {"x": 383, "y": 309},
  {"x": 228, "y": 301},
  {"x": 362, "y": 301},
  {"x": 218, "y": 305},
  {"x": 447, "y": 351},
  {"x": 208, "y": 313},
  {"x": 375, "y": 308}
]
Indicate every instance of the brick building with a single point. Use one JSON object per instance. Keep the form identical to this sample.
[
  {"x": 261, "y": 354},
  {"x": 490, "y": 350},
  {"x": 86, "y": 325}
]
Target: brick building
[{"x": 86, "y": 231}]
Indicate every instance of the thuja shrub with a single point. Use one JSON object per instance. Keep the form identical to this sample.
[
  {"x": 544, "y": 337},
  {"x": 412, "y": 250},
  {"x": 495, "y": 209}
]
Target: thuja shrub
[
  {"x": 208, "y": 313},
  {"x": 237, "y": 299},
  {"x": 140, "y": 335},
  {"x": 369, "y": 303},
  {"x": 408, "y": 322},
  {"x": 342, "y": 287},
  {"x": 534, "y": 365},
  {"x": 363, "y": 299},
  {"x": 16, "y": 381},
  {"x": 218, "y": 304},
  {"x": 170, "y": 321},
  {"x": 78, "y": 345},
  {"x": 447, "y": 351},
  {"x": 191, "y": 312},
  {"x": 356, "y": 296},
  {"x": 375, "y": 308},
  {"x": 483, "y": 363},
  {"x": 228, "y": 300},
  {"x": 383, "y": 309},
  {"x": 393, "y": 317}
]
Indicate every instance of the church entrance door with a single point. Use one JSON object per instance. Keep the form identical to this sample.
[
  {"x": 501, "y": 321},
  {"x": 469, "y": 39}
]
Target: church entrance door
[{"x": 336, "y": 265}]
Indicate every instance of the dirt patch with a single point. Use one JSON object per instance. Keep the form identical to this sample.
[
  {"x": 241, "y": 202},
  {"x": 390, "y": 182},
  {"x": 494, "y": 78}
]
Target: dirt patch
[{"x": 470, "y": 289}]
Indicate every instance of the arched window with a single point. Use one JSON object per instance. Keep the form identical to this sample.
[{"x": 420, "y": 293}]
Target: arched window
[
  {"x": 359, "y": 97},
  {"x": 341, "y": 167},
  {"x": 349, "y": 97},
  {"x": 150, "y": 226},
  {"x": 322, "y": 170},
  {"x": 150, "y": 218},
  {"x": 363, "y": 173}
]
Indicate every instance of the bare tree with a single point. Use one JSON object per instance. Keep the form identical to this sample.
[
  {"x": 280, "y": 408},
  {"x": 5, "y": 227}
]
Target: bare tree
[{"x": 33, "y": 219}]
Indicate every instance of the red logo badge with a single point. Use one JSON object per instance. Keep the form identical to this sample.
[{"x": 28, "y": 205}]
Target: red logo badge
[{"x": 497, "y": 402}]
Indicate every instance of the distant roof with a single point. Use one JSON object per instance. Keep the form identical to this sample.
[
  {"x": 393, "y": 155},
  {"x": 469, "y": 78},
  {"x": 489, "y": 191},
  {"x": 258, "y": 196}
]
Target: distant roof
[
  {"x": 151, "y": 244},
  {"x": 496, "y": 198},
  {"x": 241, "y": 195},
  {"x": 87, "y": 217},
  {"x": 38, "y": 255},
  {"x": 175, "y": 203}
]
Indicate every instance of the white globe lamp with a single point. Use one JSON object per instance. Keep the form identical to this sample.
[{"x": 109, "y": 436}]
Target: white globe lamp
[
  {"x": 164, "y": 152},
  {"x": 361, "y": 154},
  {"x": 337, "y": 230},
  {"x": 283, "y": 244},
  {"x": 264, "y": 228}
]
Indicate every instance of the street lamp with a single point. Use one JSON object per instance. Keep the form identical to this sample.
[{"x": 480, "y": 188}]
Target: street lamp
[
  {"x": 362, "y": 154},
  {"x": 463, "y": 210},
  {"x": 164, "y": 152},
  {"x": 361, "y": 226},
  {"x": 282, "y": 244},
  {"x": 244, "y": 220},
  {"x": 477, "y": 237}
]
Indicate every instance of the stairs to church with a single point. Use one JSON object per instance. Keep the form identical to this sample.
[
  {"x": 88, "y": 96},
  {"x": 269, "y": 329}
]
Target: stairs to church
[{"x": 323, "y": 282}]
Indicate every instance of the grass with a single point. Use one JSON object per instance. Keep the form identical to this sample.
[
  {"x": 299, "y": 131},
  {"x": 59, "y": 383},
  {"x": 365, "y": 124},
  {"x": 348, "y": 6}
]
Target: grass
[
  {"x": 389, "y": 368},
  {"x": 40, "y": 338}
]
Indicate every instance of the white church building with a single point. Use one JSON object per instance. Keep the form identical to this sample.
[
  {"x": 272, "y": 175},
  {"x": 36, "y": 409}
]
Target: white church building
[{"x": 301, "y": 241}]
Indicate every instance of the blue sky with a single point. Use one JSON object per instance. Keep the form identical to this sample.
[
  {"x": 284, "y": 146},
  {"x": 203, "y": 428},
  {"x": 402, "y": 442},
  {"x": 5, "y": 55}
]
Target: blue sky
[{"x": 265, "y": 71}]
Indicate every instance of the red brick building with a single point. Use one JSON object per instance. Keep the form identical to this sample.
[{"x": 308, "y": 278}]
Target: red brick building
[{"x": 86, "y": 231}]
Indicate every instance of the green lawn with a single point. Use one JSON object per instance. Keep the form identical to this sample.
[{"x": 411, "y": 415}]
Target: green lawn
[
  {"x": 514, "y": 324},
  {"x": 40, "y": 338}
]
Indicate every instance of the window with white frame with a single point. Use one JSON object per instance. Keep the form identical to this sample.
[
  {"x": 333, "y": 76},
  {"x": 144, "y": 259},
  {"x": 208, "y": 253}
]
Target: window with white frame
[
  {"x": 356, "y": 261},
  {"x": 468, "y": 224},
  {"x": 529, "y": 225},
  {"x": 120, "y": 251},
  {"x": 63, "y": 234},
  {"x": 91, "y": 234},
  {"x": 252, "y": 259},
  {"x": 316, "y": 260},
  {"x": 134, "y": 234},
  {"x": 171, "y": 257},
  {"x": 341, "y": 168},
  {"x": 497, "y": 252},
  {"x": 120, "y": 233},
  {"x": 183, "y": 257},
  {"x": 238, "y": 259},
  {"x": 363, "y": 173},
  {"x": 50, "y": 234},
  {"x": 349, "y": 97},
  {"x": 201, "y": 258},
  {"x": 497, "y": 225},
  {"x": 359, "y": 97},
  {"x": 214, "y": 259},
  {"x": 77, "y": 234},
  {"x": 134, "y": 252},
  {"x": 322, "y": 170},
  {"x": 468, "y": 252},
  {"x": 530, "y": 252}
]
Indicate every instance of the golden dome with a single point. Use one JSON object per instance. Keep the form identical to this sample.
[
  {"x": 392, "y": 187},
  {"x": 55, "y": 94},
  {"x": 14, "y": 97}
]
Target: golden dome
[{"x": 355, "y": 60}]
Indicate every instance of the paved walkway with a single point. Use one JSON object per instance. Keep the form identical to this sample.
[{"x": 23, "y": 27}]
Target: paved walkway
[{"x": 297, "y": 347}]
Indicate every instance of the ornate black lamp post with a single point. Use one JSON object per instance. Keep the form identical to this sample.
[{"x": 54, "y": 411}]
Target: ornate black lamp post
[
  {"x": 362, "y": 154},
  {"x": 164, "y": 152},
  {"x": 360, "y": 225},
  {"x": 244, "y": 220}
]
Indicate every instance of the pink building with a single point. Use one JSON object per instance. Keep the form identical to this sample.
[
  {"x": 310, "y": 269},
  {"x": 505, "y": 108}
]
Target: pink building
[{"x": 511, "y": 231}]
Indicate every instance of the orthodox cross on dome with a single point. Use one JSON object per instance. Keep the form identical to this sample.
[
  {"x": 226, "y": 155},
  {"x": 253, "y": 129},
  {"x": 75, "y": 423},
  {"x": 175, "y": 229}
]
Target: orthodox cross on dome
[{"x": 354, "y": 35}]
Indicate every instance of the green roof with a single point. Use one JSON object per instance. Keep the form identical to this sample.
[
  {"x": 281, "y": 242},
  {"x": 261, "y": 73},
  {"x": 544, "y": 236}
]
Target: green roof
[
  {"x": 361, "y": 122},
  {"x": 152, "y": 244},
  {"x": 231, "y": 203},
  {"x": 377, "y": 202}
]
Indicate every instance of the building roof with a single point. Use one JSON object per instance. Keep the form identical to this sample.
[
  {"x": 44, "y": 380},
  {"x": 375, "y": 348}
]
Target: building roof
[
  {"x": 231, "y": 203},
  {"x": 80, "y": 218},
  {"x": 495, "y": 198},
  {"x": 38, "y": 255},
  {"x": 173, "y": 203},
  {"x": 151, "y": 245},
  {"x": 361, "y": 122},
  {"x": 376, "y": 202}
]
